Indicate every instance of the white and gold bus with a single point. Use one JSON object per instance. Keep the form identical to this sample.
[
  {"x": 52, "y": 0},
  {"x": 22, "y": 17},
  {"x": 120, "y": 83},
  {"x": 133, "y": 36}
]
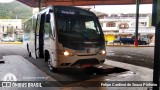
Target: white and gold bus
[{"x": 66, "y": 37}]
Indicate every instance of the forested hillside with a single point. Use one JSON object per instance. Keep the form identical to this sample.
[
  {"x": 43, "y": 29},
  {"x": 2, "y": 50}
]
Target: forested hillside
[{"x": 15, "y": 10}]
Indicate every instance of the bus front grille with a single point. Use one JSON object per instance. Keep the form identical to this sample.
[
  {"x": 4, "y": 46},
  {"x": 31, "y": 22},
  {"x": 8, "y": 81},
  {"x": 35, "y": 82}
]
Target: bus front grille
[{"x": 80, "y": 62}]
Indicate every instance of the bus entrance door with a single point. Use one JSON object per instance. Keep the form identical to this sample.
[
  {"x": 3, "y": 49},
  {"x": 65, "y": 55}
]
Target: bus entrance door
[{"x": 40, "y": 36}]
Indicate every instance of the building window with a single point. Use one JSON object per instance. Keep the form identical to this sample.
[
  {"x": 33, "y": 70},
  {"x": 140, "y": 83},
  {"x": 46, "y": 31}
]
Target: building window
[
  {"x": 143, "y": 24},
  {"x": 123, "y": 26},
  {"x": 7, "y": 28},
  {"x": 111, "y": 24},
  {"x": 3, "y": 28}
]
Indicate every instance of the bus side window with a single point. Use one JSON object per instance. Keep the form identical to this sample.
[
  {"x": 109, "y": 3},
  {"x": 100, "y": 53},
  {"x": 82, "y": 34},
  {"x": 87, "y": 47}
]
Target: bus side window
[
  {"x": 47, "y": 28},
  {"x": 37, "y": 25},
  {"x": 52, "y": 25}
]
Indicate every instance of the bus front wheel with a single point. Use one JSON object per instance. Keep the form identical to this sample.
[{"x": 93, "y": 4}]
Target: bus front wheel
[
  {"x": 48, "y": 60},
  {"x": 51, "y": 68}
]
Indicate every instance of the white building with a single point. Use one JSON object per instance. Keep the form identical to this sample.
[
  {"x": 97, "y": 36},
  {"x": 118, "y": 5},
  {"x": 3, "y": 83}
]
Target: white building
[
  {"x": 123, "y": 25},
  {"x": 10, "y": 27}
]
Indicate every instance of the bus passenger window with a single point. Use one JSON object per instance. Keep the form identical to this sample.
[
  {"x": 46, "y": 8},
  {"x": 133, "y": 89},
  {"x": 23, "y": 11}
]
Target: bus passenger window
[{"x": 47, "y": 30}]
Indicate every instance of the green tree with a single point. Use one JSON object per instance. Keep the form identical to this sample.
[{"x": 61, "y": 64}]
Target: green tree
[{"x": 15, "y": 10}]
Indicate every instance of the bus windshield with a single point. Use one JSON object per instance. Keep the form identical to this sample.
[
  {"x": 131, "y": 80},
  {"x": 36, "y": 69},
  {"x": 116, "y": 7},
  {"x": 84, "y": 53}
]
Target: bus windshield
[{"x": 78, "y": 26}]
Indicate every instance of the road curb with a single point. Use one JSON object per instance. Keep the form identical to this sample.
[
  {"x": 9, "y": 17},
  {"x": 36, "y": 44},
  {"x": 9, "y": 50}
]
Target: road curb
[
  {"x": 11, "y": 42},
  {"x": 129, "y": 46}
]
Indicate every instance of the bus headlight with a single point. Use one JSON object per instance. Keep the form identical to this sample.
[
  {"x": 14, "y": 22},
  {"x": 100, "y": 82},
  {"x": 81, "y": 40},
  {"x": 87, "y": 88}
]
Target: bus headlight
[
  {"x": 65, "y": 53},
  {"x": 102, "y": 52}
]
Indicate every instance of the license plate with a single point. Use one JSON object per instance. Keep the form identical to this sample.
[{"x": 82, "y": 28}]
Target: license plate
[
  {"x": 81, "y": 51},
  {"x": 89, "y": 50}
]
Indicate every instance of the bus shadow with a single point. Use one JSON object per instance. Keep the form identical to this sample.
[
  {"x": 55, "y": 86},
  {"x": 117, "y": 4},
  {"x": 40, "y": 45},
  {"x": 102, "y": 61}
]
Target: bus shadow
[{"x": 72, "y": 75}]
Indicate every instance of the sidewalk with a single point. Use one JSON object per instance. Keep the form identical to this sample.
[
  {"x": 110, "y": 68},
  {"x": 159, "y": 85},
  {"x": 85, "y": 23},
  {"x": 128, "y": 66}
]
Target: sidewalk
[
  {"x": 26, "y": 71},
  {"x": 22, "y": 69}
]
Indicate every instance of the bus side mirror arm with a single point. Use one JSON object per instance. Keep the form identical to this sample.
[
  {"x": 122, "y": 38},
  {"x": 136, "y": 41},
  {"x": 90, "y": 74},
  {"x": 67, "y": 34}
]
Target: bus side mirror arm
[{"x": 53, "y": 34}]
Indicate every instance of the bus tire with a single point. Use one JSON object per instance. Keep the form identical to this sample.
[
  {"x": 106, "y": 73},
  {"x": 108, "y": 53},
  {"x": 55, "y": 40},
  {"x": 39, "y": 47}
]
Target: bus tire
[
  {"x": 48, "y": 60},
  {"x": 51, "y": 68}
]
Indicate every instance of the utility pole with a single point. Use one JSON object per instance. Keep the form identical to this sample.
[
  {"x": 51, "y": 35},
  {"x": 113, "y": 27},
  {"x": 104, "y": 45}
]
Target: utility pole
[
  {"x": 156, "y": 23},
  {"x": 137, "y": 23},
  {"x": 156, "y": 68},
  {"x": 39, "y": 5}
]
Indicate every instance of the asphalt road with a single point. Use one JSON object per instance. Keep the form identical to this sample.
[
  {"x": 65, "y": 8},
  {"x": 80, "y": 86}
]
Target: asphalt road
[
  {"x": 13, "y": 49},
  {"x": 141, "y": 56},
  {"x": 37, "y": 67}
]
